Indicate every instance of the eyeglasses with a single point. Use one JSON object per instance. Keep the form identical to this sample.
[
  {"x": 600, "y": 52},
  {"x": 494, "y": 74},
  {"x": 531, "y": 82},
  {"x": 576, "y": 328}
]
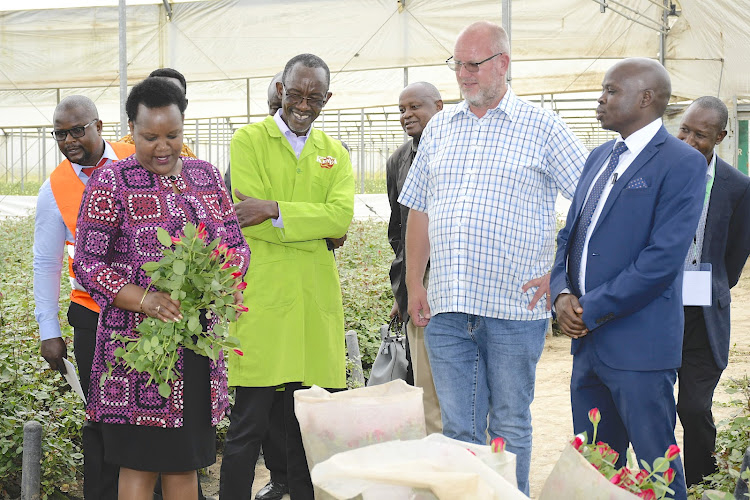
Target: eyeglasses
[
  {"x": 295, "y": 99},
  {"x": 75, "y": 132},
  {"x": 471, "y": 67}
]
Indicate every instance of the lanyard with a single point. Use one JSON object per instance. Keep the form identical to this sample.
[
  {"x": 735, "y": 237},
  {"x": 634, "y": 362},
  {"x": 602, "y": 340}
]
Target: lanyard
[{"x": 694, "y": 251}]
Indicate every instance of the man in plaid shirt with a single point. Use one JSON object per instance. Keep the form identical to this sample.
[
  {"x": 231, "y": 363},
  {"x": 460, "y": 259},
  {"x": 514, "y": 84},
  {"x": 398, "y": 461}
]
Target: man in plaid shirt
[{"x": 482, "y": 193}]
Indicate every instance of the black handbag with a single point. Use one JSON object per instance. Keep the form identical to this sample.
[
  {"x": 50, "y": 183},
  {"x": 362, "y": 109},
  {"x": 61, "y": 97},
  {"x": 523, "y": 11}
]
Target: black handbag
[{"x": 391, "y": 362}]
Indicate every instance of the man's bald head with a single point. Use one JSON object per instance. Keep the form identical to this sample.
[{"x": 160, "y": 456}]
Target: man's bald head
[
  {"x": 635, "y": 92},
  {"x": 78, "y": 102},
  {"x": 418, "y": 103},
  {"x": 495, "y": 36},
  {"x": 481, "y": 59},
  {"x": 78, "y": 113},
  {"x": 424, "y": 89},
  {"x": 648, "y": 74},
  {"x": 274, "y": 99}
]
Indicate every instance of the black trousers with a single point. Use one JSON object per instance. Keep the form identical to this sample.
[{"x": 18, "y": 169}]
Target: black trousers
[
  {"x": 99, "y": 477},
  {"x": 274, "y": 444},
  {"x": 698, "y": 378},
  {"x": 248, "y": 425}
]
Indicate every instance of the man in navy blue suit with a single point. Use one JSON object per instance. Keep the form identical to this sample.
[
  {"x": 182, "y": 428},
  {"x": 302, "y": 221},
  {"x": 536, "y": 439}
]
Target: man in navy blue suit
[
  {"x": 617, "y": 278},
  {"x": 723, "y": 240}
]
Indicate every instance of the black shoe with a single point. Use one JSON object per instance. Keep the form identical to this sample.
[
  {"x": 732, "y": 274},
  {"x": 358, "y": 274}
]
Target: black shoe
[{"x": 272, "y": 491}]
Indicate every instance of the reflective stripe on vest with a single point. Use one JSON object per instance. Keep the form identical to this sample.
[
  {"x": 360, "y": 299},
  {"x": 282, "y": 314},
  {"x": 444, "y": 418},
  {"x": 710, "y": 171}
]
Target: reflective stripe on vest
[{"x": 67, "y": 188}]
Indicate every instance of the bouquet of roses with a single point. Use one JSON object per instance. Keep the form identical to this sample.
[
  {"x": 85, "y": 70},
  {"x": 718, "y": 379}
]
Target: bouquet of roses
[
  {"x": 200, "y": 275},
  {"x": 651, "y": 482},
  {"x": 587, "y": 470}
]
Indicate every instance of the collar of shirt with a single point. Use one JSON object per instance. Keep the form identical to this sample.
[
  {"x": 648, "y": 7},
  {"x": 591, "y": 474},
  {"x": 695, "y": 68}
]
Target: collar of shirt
[
  {"x": 415, "y": 144},
  {"x": 109, "y": 155},
  {"x": 712, "y": 166},
  {"x": 507, "y": 106},
  {"x": 296, "y": 141},
  {"x": 638, "y": 140}
]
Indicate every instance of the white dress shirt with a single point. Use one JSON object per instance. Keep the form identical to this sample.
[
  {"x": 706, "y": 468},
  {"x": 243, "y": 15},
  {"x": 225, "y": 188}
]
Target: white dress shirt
[
  {"x": 50, "y": 235},
  {"x": 297, "y": 142}
]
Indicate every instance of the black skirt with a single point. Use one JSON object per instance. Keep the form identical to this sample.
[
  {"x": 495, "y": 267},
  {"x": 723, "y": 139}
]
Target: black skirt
[{"x": 179, "y": 449}]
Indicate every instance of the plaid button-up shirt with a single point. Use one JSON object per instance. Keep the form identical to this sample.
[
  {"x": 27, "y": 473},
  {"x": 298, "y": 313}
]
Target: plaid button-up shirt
[{"x": 489, "y": 187}]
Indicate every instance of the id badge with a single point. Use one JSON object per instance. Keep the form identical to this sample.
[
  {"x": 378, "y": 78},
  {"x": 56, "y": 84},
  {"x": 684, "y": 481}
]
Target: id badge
[{"x": 696, "y": 286}]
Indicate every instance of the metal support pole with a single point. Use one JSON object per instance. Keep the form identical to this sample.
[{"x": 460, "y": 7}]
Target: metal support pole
[
  {"x": 197, "y": 139},
  {"x": 58, "y": 154},
  {"x": 10, "y": 165},
  {"x": 362, "y": 151},
  {"x": 406, "y": 83},
  {"x": 338, "y": 126},
  {"x": 372, "y": 153},
  {"x": 210, "y": 141},
  {"x": 663, "y": 33},
  {"x": 352, "y": 354},
  {"x": 247, "y": 86},
  {"x": 123, "y": 41},
  {"x": 31, "y": 461},
  {"x": 44, "y": 154},
  {"x": 23, "y": 160},
  {"x": 507, "y": 28}
]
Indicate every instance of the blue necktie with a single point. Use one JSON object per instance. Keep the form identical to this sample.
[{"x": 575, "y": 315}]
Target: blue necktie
[{"x": 579, "y": 235}]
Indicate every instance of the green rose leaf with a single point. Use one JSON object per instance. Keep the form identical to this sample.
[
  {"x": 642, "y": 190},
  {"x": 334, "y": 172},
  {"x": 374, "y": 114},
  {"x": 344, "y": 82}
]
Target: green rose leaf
[
  {"x": 190, "y": 231},
  {"x": 150, "y": 266},
  {"x": 164, "y": 390},
  {"x": 164, "y": 237},
  {"x": 179, "y": 267},
  {"x": 194, "y": 324}
]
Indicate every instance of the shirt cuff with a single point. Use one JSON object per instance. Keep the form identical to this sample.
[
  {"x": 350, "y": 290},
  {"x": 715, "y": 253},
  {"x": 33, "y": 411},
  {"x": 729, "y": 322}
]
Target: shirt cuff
[
  {"x": 279, "y": 221},
  {"x": 49, "y": 329},
  {"x": 564, "y": 290}
]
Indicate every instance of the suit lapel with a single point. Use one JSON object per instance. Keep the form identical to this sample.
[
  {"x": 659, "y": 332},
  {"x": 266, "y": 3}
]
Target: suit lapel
[
  {"x": 642, "y": 159},
  {"x": 719, "y": 193},
  {"x": 601, "y": 154}
]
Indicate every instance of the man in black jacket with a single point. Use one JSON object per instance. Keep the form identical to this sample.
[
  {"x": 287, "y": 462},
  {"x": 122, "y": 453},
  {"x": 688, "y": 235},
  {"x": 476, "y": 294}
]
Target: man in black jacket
[
  {"x": 723, "y": 240},
  {"x": 417, "y": 103}
]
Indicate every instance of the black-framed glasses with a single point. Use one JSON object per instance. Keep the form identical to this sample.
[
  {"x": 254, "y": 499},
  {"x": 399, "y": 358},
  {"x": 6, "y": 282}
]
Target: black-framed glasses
[
  {"x": 296, "y": 99},
  {"x": 471, "y": 67},
  {"x": 75, "y": 132}
]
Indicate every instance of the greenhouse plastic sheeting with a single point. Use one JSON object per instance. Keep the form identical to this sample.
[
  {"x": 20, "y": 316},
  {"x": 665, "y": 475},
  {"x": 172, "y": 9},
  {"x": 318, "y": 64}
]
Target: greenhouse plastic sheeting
[{"x": 557, "y": 46}]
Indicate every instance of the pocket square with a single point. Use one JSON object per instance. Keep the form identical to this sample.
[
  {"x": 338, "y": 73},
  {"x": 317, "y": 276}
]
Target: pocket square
[{"x": 638, "y": 183}]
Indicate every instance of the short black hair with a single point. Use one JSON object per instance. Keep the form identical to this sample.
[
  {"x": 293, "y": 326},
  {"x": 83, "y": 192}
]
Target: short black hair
[
  {"x": 170, "y": 73},
  {"x": 716, "y": 104},
  {"x": 154, "y": 93},
  {"x": 309, "y": 61}
]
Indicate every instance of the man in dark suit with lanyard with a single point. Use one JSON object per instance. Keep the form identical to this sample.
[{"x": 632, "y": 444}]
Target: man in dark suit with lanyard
[
  {"x": 722, "y": 240},
  {"x": 617, "y": 278}
]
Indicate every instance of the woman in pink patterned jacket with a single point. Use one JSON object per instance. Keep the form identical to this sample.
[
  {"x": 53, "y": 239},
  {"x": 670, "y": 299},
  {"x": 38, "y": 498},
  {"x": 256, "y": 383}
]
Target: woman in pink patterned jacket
[{"x": 122, "y": 207}]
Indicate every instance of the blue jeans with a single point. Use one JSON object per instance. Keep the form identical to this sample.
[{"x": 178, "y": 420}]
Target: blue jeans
[{"x": 486, "y": 367}]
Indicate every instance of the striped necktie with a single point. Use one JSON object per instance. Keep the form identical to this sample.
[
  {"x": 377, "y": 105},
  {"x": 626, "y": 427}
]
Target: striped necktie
[{"x": 584, "y": 220}]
